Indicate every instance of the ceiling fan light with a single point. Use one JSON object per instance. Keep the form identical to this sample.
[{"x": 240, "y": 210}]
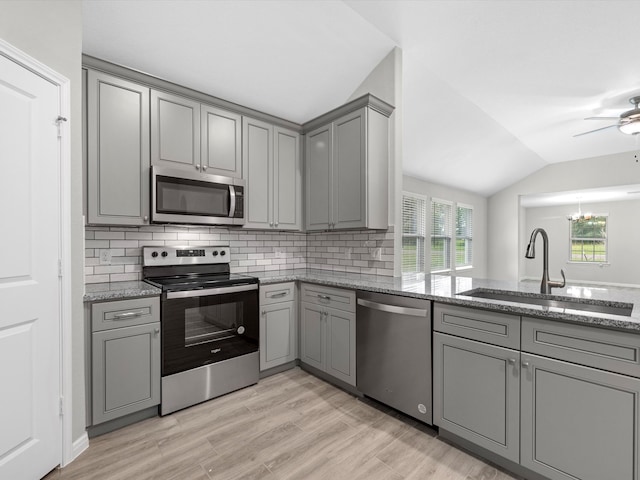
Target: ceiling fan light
[{"x": 630, "y": 128}]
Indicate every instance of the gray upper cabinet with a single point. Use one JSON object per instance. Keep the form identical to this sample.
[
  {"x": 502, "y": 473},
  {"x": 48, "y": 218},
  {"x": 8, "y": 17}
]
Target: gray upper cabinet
[
  {"x": 221, "y": 134},
  {"x": 117, "y": 151},
  {"x": 579, "y": 422},
  {"x": 187, "y": 134},
  {"x": 347, "y": 172},
  {"x": 175, "y": 131},
  {"x": 272, "y": 168},
  {"x": 319, "y": 179}
]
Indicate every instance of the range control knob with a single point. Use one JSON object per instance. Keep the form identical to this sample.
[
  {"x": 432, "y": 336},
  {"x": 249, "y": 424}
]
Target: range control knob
[
  {"x": 154, "y": 254},
  {"x": 223, "y": 253},
  {"x": 164, "y": 254},
  {"x": 215, "y": 253},
  {"x": 240, "y": 330}
]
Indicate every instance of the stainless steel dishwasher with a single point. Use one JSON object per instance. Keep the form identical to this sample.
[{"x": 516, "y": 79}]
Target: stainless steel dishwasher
[{"x": 393, "y": 352}]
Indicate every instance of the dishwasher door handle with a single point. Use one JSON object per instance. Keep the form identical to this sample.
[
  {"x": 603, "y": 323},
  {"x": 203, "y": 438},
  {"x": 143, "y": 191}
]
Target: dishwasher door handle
[{"x": 383, "y": 307}]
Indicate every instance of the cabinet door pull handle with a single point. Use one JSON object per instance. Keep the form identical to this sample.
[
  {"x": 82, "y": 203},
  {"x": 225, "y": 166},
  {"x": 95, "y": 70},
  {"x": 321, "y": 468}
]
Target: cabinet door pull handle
[
  {"x": 204, "y": 167},
  {"x": 278, "y": 295},
  {"x": 264, "y": 312},
  {"x": 119, "y": 316},
  {"x": 156, "y": 331},
  {"x": 525, "y": 364},
  {"x": 197, "y": 167},
  {"x": 512, "y": 361},
  {"x": 146, "y": 218}
]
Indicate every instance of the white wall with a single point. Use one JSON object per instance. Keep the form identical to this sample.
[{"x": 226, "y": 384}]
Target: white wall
[
  {"x": 385, "y": 82},
  {"x": 623, "y": 239},
  {"x": 479, "y": 203},
  {"x": 504, "y": 253},
  {"x": 51, "y": 32}
]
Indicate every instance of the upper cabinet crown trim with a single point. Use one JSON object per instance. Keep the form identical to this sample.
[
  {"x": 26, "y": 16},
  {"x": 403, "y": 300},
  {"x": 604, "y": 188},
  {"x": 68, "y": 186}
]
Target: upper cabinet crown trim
[
  {"x": 366, "y": 100},
  {"x": 168, "y": 86}
]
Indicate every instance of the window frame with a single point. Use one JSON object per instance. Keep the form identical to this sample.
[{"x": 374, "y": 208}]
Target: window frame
[
  {"x": 605, "y": 239},
  {"x": 465, "y": 265},
  {"x": 423, "y": 256},
  {"x": 450, "y": 237}
]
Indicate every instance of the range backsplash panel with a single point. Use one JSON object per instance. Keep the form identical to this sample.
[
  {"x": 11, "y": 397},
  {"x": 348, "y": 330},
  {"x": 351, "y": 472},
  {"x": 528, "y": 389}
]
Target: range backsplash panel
[{"x": 114, "y": 253}]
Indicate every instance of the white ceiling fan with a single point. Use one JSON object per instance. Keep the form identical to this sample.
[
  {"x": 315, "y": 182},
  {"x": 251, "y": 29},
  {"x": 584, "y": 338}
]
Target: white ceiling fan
[{"x": 628, "y": 122}]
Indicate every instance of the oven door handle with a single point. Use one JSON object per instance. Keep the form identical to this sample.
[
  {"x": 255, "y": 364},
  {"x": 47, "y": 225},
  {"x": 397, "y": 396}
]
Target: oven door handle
[{"x": 212, "y": 291}]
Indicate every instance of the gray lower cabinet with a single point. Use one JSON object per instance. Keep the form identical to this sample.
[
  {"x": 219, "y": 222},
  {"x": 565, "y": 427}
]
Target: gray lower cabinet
[
  {"x": 125, "y": 358},
  {"x": 278, "y": 325},
  {"x": 347, "y": 172},
  {"x": 117, "y": 151},
  {"x": 328, "y": 334},
  {"x": 273, "y": 176},
  {"x": 578, "y": 422},
  {"x": 477, "y": 393},
  {"x": 534, "y": 403}
]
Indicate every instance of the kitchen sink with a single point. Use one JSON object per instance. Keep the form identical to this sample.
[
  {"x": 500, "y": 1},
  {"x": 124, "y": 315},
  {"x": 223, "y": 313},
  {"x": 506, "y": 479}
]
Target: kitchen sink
[{"x": 587, "y": 305}]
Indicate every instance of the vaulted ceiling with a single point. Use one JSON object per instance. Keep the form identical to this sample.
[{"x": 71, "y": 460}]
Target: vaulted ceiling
[{"x": 492, "y": 90}]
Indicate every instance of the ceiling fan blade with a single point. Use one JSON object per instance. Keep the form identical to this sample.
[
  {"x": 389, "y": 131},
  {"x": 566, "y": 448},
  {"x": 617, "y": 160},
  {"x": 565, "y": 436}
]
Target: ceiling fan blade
[
  {"x": 596, "y": 130},
  {"x": 602, "y": 118}
]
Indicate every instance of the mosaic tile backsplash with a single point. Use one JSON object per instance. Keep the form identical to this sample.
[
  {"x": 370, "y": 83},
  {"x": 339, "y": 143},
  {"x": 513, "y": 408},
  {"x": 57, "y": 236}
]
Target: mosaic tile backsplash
[{"x": 115, "y": 253}]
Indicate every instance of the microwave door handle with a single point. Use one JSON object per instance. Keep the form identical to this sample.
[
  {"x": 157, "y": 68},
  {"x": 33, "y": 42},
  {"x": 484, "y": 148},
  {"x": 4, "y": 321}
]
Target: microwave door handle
[{"x": 232, "y": 200}]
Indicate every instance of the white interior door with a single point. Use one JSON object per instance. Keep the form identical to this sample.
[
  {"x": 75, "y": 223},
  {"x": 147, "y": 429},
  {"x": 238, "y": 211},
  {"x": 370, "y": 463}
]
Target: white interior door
[{"x": 30, "y": 422}]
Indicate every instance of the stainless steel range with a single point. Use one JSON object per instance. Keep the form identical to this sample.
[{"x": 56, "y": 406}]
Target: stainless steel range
[{"x": 209, "y": 322}]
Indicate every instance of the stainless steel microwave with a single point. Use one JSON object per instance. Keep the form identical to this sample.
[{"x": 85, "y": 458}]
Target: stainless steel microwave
[{"x": 179, "y": 196}]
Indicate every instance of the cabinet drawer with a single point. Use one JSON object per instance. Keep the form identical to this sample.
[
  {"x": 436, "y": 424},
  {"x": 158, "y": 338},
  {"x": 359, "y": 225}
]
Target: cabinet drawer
[
  {"x": 330, "y": 297},
  {"x": 124, "y": 313},
  {"x": 281, "y": 292},
  {"x": 491, "y": 327},
  {"x": 595, "y": 347}
]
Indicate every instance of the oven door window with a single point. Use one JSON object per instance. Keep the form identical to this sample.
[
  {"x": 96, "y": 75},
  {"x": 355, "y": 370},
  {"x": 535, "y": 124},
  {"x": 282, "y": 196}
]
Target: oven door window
[
  {"x": 197, "y": 331},
  {"x": 191, "y": 197}
]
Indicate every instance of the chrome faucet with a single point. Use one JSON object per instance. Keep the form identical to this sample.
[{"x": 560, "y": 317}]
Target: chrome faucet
[{"x": 546, "y": 285}]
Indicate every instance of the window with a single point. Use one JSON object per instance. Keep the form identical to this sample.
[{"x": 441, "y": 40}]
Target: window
[
  {"x": 464, "y": 236},
  {"x": 440, "y": 235},
  {"x": 414, "y": 210},
  {"x": 589, "y": 239},
  {"x": 451, "y": 243}
]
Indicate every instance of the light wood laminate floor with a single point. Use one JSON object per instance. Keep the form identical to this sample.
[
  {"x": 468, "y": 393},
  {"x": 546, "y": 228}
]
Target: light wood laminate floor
[{"x": 289, "y": 426}]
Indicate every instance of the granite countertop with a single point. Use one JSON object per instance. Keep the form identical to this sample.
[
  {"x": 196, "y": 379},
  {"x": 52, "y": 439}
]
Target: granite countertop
[
  {"x": 95, "y": 292},
  {"x": 440, "y": 288},
  {"x": 446, "y": 289}
]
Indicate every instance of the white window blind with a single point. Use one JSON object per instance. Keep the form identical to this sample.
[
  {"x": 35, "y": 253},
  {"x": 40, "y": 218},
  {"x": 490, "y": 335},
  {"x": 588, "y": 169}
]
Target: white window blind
[
  {"x": 441, "y": 233},
  {"x": 414, "y": 210},
  {"x": 464, "y": 236}
]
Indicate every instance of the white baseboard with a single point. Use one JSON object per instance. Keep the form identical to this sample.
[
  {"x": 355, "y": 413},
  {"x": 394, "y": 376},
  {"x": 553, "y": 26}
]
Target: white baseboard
[{"x": 79, "y": 445}]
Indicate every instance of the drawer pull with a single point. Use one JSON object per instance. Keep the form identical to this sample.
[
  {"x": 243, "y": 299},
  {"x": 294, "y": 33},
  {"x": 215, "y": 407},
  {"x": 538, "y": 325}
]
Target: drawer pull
[
  {"x": 278, "y": 295},
  {"x": 120, "y": 316},
  {"x": 324, "y": 297}
]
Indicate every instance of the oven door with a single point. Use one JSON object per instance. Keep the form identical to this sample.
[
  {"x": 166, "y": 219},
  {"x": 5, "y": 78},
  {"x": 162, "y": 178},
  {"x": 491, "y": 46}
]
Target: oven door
[{"x": 200, "y": 327}]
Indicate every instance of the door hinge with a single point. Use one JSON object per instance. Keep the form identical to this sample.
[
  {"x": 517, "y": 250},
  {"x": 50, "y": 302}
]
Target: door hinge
[
  {"x": 59, "y": 268},
  {"x": 61, "y": 406},
  {"x": 59, "y": 121}
]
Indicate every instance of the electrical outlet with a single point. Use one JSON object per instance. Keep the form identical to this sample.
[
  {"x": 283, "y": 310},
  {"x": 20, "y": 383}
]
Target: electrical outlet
[{"x": 105, "y": 257}]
